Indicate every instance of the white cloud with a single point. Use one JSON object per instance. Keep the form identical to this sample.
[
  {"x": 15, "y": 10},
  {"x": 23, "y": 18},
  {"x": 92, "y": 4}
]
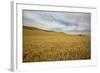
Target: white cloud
[{"x": 58, "y": 21}]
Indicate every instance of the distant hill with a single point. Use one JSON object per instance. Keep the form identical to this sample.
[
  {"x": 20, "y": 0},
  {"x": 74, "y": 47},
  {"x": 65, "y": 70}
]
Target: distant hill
[{"x": 36, "y": 31}]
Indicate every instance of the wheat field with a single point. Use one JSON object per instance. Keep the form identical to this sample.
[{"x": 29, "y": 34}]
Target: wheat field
[{"x": 40, "y": 45}]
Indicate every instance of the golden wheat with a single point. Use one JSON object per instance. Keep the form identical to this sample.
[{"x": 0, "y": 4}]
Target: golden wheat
[{"x": 40, "y": 45}]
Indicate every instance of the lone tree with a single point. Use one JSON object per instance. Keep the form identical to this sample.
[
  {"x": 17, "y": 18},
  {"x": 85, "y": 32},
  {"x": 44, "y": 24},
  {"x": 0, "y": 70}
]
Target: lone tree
[{"x": 80, "y": 34}]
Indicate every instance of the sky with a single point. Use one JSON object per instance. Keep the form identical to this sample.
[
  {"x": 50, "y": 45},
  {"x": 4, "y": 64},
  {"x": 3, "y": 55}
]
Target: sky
[{"x": 67, "y": 22}]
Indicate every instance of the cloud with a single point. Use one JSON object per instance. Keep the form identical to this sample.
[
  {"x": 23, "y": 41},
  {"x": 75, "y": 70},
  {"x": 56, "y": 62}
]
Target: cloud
[{"x": 58, "y": 21}]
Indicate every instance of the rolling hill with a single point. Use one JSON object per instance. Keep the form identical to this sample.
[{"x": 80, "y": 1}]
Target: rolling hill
[{"x": 42, "y": 45}]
